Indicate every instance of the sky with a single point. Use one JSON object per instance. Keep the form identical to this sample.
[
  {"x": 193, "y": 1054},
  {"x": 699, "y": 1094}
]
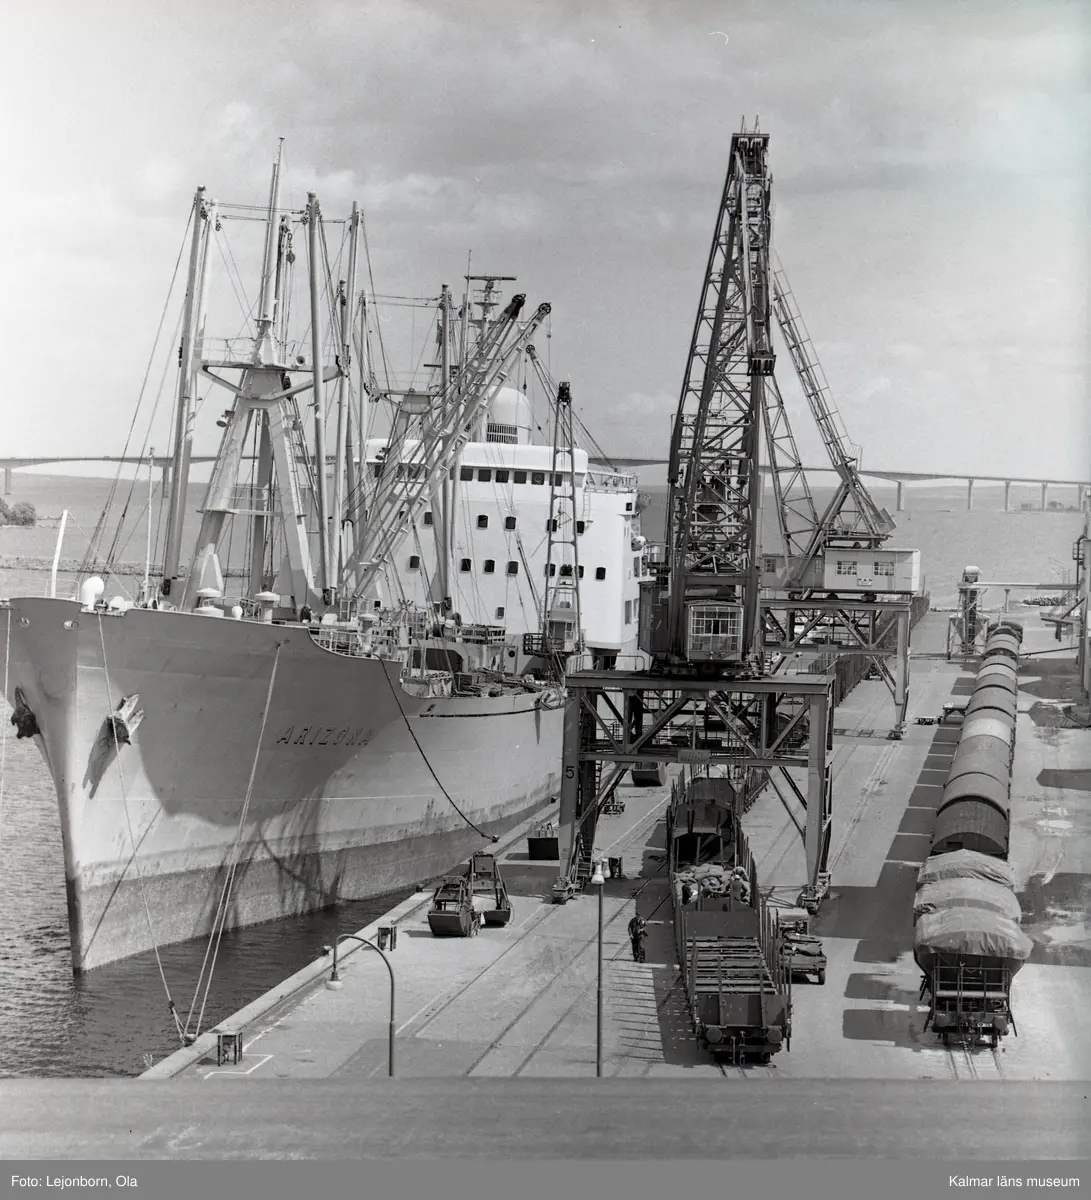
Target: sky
[{"x": 930, "y": 182}]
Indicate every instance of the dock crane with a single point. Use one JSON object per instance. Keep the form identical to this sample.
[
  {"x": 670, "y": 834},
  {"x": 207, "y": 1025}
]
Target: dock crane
[{"x": 707, "y": 696}]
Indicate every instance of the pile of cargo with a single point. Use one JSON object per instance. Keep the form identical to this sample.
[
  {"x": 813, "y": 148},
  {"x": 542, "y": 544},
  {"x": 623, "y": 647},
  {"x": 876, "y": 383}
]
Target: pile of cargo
[{"x": 967, "y": 938}]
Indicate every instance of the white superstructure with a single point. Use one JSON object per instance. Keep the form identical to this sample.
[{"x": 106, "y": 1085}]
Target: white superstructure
[{"x": 500, "y": 535}]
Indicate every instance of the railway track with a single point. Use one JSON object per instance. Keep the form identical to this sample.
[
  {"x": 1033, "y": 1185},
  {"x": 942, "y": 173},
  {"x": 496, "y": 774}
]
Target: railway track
[
  {"x": 965, "y": 1063},
  {"x": 533, "y": 922}
]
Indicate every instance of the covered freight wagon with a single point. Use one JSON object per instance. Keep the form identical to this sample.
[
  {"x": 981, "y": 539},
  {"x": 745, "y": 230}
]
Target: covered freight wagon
[{"x": 969, "y": 956}]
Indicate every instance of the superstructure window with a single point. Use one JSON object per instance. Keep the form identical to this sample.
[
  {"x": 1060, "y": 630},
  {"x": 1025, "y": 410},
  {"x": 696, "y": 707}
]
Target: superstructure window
[
  {"x": 513, "y": 568},
  {"x": 502, "y": 476},
  {"x": 628, "y": 612},
  {"x": 580, "y": 526},
  {"x": 484, "y": 475},
  {"x": 465, "y": 564},
  {"x": 566, "y": 569},
  {"x": 551, "y": 525},
  {"x": 885, "y": 569},
  {"x": 500, "y": 613},
  {"x": 482, "y": 521},
  {"x": 769, "y": 565},
  {"x": 580, "y": 572},
  {"x": 428, "y": 518},
  {"x": 414, "y": 561},
  {"x": 558, "y": 479},
  {"x": 846, "y": 566},
  {"x": 537, "y": 477},
  {"x": 490, "y": 566},
  {"x": 551, "y": 569},
  {"x": 466, "y": 473},
  {"x": 636, "y": 566},
  {"x": 600, "y": 572},
  {"x": 520, "y": 476},
  {"x": 509, "y": 522}
]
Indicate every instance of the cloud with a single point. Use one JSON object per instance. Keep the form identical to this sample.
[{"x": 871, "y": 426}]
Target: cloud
[{"x": 929, "y": 171}]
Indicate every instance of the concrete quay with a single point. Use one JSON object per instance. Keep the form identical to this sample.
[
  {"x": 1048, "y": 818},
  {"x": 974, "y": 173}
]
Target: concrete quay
[{"x": 520, "y": 1002}]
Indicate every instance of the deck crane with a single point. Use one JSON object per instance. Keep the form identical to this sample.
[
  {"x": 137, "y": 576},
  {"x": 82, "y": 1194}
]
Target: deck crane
[
  {"x": 424, "y": 449},
  {"x": 707, "y": 697},
  {"x": 561, "y": 634}
]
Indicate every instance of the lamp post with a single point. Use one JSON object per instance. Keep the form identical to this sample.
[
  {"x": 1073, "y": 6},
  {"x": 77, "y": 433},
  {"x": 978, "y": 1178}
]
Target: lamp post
[
  {"x": 334, "y": 983},
  {"x": 598, "y": 880}
]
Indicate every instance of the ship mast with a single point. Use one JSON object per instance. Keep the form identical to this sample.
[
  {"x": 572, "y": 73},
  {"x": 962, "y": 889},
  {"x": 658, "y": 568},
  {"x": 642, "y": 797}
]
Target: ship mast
[
  {"x": 189, "y": 353},
  {"x": 264, "y": 351},
  {"x": 442, "y": 505},
  {"x": 266, "y": 394},
  {"x": 346, "y": 290},
  {"x": 318, "y": 400}
]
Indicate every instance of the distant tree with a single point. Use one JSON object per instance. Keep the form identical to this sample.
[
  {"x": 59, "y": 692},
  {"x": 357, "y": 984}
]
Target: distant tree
[{"x": 20, "y": 513}]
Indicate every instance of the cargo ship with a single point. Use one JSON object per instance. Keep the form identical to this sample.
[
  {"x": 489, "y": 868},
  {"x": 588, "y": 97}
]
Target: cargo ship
[{"x": 378, "y": 691}]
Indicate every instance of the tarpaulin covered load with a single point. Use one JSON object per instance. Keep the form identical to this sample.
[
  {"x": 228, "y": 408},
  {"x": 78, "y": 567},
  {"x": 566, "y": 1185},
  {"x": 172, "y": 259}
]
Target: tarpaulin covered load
[
  {"x": 965, "y": 864},
  {"x": 1004, "y": 641},
  {"x": 989, "y": 697},
  {"x": 966, "y": 893},
  {"x": 712, "y": 788},
  {"x": 1000, "y": 672},
  {"x": 971, "y": 825},
  {"x": 977, "y": 787},
  {"x": 973, "y": 936}
]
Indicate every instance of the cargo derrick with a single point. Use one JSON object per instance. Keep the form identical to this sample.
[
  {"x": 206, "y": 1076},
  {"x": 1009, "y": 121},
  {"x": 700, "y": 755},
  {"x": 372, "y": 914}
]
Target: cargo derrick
[
  {"x": 738, "y": 984},
  {"x": 561, "y": 633}
]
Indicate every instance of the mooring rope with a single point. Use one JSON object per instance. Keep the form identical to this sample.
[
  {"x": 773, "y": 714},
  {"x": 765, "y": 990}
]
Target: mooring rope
[
  {"x": 220, "y": 919},
  {"x": 420, "y": 748},
  {"x": 132, "y": 836}
]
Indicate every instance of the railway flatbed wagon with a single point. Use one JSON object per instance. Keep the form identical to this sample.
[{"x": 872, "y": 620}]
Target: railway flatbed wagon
[{"x": 738, "y": 990}]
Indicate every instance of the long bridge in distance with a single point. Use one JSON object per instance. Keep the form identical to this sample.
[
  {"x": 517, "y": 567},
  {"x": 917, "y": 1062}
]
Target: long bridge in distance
[{"x": 1082, "y": 487}]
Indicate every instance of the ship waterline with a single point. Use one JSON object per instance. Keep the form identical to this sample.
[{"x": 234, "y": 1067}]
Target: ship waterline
[{"x": 359, "y": 787}]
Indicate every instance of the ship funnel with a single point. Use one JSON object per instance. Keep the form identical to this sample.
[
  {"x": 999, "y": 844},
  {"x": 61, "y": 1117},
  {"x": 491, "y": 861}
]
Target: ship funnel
[{"x": 91, "y": 591}]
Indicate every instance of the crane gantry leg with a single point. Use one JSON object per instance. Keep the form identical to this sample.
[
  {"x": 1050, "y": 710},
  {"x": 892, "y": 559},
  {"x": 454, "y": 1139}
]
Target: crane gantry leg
[{"x": 745, "y": 729}]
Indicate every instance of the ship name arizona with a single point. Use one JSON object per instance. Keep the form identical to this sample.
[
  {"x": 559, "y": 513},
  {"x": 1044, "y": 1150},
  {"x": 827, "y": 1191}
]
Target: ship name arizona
[{"x": 322, "y": 735}]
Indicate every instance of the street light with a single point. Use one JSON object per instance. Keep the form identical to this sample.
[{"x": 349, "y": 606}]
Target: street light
[
  {"x": 598, "y": 880},
  {"x": 334, "y": 983}
]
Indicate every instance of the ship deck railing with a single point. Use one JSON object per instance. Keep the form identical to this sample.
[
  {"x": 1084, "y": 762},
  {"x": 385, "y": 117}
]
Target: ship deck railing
[{"x": 608, "y": 481}]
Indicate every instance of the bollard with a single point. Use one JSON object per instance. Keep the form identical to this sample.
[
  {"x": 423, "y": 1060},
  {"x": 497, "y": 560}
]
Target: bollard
[{"x": 383, "y": 934}]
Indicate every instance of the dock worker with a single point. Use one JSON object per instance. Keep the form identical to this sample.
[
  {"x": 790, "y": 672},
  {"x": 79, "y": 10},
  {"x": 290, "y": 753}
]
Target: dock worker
[
  {"x": 638, "y": 931},
  {"x": 739, "y": 888}
]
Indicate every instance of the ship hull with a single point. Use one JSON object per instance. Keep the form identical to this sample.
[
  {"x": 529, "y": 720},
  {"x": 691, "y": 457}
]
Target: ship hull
[{"x": 347, "y": 787}]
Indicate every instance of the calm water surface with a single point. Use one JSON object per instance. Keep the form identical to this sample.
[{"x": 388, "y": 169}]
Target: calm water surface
[{"x": 115, "y": 1020}]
